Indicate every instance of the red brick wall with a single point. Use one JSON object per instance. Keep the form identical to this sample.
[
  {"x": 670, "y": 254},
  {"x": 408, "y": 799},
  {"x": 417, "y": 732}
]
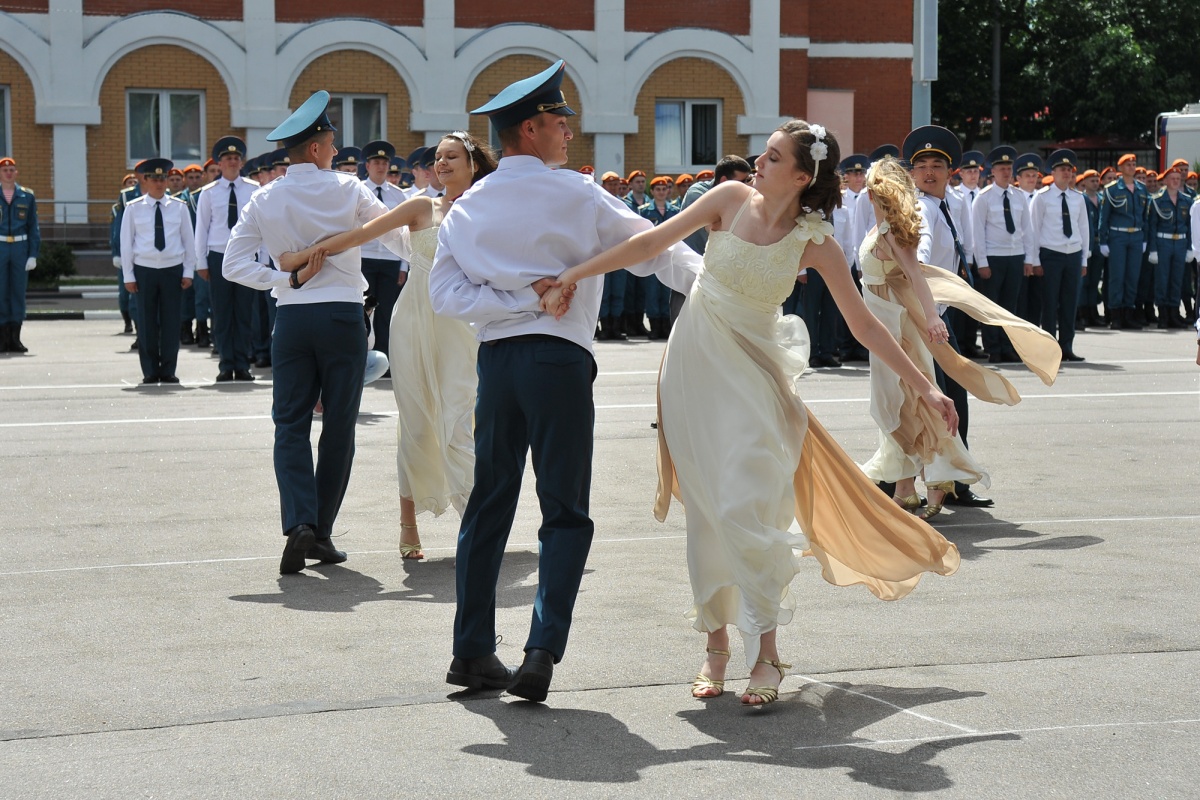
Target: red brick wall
[
  {"x": 26, "y": 7},
  {"x": 793, "y": 83},
  {"x": 882, "y": 95},
  {"x": 206, "y": 9},
  {"x": 862, "y": 21},
  {"x": 30, "y": 142},
  {"x": 793, "y": 17},
  {"x": 653, "y": 16},
  {"x": 392, "y": 12},
  {"x": 573, "y": 15}
]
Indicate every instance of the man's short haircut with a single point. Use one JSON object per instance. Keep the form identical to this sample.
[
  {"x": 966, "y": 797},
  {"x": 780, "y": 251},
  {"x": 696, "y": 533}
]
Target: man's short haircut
[
  {"x": 727, "y": 166},
  {"x": 509, "y": 137},
  {"x": 297, "y": 153}
]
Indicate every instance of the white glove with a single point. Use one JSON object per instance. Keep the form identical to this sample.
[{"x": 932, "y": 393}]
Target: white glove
[
  {"x": 1153, "y": 256},
  {"x": 1191, "y": 256},
  {"x": 1104, "y": 250},
  {"x": 1143, "y": 248},
  {"x": 117, "y": 261},
  {"x": 31, "y": 264}
]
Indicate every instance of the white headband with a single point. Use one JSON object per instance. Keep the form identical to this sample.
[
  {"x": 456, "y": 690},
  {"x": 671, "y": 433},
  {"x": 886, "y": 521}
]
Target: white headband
[{"x": 819, "y": 149}]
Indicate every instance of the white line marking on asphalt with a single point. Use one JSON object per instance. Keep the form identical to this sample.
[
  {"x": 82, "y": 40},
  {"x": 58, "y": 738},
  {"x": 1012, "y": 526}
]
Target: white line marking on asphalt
[
  {"x": 517, "y": 546},
  {"x": 881, "y": 701}
]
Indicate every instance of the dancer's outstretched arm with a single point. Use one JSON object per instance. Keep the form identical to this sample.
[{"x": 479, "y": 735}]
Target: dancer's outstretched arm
[{"x": 411, "y": 213}]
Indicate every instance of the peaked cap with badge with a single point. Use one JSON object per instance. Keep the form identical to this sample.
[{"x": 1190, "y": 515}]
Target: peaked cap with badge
[{"x": 517, "y": 102}]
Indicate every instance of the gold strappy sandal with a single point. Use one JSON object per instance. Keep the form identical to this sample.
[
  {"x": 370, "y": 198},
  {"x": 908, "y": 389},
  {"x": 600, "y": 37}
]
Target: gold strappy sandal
[
  {"x": 766, "y": 694},
  {"x": 910, "y": 503},
  {"x": 933, "y": 509},
  {"x": 410, "y": 551},
  {"x": 703, "y": 682}
]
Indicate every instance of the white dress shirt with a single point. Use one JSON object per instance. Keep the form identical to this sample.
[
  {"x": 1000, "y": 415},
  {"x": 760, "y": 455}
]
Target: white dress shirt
[
  {"x": 936, "y": 244},
  {"x": 844, "y": 225},
  {"x": 287, "y": 215},
  {"x": 392, "y": 196},
  {"x": 524, "y": 222},
  {"x": 1196, "y": 231},
  {"x": 991, "y": 236},
  {"x": 863, "y": 219},
  {"x": 212, "y": 217},
  {"x": 137, "y": 236},
  {"x": 1045, "y": 214}
]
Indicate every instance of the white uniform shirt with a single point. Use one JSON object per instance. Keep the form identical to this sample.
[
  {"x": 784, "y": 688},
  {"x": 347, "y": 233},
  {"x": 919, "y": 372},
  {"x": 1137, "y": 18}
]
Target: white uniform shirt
[
  {"x": 1195, "y": 212},
  {"x": 844, "y": 228},
  {"x": 1045, "y": 214},
  {"x": 287, "y": 215},
  {"x": 392, "y": 196},
  {"x": 991, "y": 236},
  {"x": 936, "y": 244},
  {"x": 524, "y": 222},
  {"x": 137, "y": 236},
  {"x": 212, "y": 229},
  {"x": 863, "y": 220}
]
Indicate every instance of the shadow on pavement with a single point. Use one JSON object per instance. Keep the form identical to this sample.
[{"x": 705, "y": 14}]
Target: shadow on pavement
[
  {"x": 970, "y": 536},
  {"x": 337, "y": 589},
  {"x": 813, "y": 728}
]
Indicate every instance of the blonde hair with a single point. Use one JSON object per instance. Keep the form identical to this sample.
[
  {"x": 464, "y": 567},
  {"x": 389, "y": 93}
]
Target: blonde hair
[{"x": 896, "y": 196}]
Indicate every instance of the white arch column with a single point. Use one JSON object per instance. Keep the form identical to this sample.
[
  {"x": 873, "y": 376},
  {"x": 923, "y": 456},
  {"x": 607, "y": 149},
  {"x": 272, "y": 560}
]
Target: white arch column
[
  {"x": 258, "y": 17},
  {"x": 67, "y": 113},
  {"x": 609, "y": 129},
  {"x": 760, "y": 123}
]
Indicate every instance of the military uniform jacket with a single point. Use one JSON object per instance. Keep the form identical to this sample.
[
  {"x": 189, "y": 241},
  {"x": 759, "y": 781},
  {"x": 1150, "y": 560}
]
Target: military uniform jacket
[
  {"x": 18, "y": 220},
  {"x": 127, "y": 196},
  {"x": 1170, "y": 221},
  {"x": 1122, "y": 209},
  {"x": 391, "y": 196}
]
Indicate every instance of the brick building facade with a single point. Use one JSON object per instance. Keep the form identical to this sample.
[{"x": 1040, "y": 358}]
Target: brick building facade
[{"x": 87, "y": 87}]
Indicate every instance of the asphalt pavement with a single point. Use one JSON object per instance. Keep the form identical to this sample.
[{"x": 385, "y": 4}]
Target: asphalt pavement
[{"x": 151, "y": 649}]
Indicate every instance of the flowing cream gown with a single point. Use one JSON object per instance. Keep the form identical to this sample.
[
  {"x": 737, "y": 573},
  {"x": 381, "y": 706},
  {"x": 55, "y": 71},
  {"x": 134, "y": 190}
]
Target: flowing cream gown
[
  {"x": 912, "y": 437},
  {"x": 434, "y": 380},
  {"x": 740, "y": 450}
]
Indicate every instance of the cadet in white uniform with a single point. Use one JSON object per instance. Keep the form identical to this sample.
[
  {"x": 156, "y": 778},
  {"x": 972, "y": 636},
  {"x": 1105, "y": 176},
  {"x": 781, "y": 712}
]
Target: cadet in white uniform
[
  {"x": 1060, "y": 227},
  {"x": 384, "y": 270},
  {"x": 319, "y": 350}
]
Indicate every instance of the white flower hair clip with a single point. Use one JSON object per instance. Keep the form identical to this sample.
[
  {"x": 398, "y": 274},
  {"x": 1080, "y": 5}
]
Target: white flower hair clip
[
  {"x": 465, "y": 139},
  {"x": 819, "y": 150}
]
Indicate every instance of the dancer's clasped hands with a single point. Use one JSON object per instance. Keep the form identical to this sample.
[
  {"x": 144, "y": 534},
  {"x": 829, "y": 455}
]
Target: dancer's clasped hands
[{"x": 556, "y": 299}]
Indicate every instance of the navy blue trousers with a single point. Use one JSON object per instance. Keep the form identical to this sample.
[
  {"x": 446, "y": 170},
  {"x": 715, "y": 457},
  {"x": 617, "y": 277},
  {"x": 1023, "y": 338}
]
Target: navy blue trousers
[
  {"x": 158, "y": 313},
  {"x": 13, "y": 280},
  {"x": 1124, "y": 268},
  {"x": 232, "y": 310},
  {"x": 319, "y": 351},
  {"x": 1063, "y": 272},
  {"x": 821, "y": 316},
  {"x": 535, "y": 396},
  {"x": 1004, "y": 287},
  {"x": 383, "y": 278}
]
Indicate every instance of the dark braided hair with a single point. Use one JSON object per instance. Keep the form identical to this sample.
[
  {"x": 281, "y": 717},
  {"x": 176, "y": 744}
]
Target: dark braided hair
[{"x": 824, "y": 193}]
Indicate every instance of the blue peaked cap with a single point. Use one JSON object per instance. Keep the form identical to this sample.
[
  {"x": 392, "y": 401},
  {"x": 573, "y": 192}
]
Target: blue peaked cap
[
  {"x": 517, "y": 102},
  {"x": 305, "y": 121}
]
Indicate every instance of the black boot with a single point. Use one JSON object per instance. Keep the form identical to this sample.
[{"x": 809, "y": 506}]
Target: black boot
[
  {"x": 14, "y": 339},
  {"x": 5, "y": 338},
  {"x": 185, "y": 333},
  {"x": 1116, "y": 319},
  {"x": 635, "y": 327},
  {"x": 1148, "y": 315},
  {"x": 605, "y": 332},
  {"x": 1130, "y": 319},
  {"x": 202, "y": 337},
  {"x": 128, "y": 322},
  {"x": 656, "y": 331},
  {"x": 1164, "y": 319}
]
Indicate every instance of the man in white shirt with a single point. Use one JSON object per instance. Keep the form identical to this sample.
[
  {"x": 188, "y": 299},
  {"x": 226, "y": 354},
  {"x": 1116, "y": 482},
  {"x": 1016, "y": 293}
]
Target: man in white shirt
[
  {"x": 1060, "y": 227},
  {"x": 319, "y": 350},
  {"x": 384, "y": 270},
  {"x": 232, "y": 305},
  {"x": 854, "y": 170},
  {"x": 970, "y": 170},
  {"x": 1028, "y": 175},
  {"x": 496, "y": 247},
  {"x": 1003, "y": 241},
  {"x": 158, "y": 261}
]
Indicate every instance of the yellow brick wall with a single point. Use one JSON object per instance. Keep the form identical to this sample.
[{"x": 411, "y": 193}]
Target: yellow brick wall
[
  {"x": 356, "y": 72},
  {"x": 686, "y": 79},
  {"x": 513, "y": 68},
  {"x": 30, "y": 143},
  {"x": 157, "y": 66}
]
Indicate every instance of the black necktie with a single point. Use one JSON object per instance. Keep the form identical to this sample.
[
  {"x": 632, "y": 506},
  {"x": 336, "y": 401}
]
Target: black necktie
[
  {"x": 1066, "y": 217},
  {"x": 441, "y": 194},
  {"x": 962, "y": 258},
  {"x": 1008, "y": 220},
  {"x": 972, "y": 195},
  {"x": 160, "y": 233},
  {"x": 231, "y": 214},
  {"x": 379, "y": 193}
]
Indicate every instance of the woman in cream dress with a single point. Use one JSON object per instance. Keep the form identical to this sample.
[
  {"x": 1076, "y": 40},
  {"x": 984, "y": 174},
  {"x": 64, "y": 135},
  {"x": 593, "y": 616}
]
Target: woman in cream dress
[
  {"x": 903, "y": 294},
  {"x": 432, "y": 358},
  {"x": 737, "y": 445}
]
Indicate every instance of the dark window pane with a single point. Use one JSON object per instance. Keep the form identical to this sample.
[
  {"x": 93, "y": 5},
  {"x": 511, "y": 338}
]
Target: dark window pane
[
  {"x": 368, "y": 119},
  {"x": 704, "y": 134},
  {"x": 143, "y": 126},
  {"x": 186, "y": 145},
  {"x": 334, "y": 112},
  {"x": 668, "y": 134}
]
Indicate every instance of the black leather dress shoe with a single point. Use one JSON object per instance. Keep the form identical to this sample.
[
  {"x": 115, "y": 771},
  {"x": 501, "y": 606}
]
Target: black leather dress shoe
[
  {"x": 222, "y": 377},
  {"x": 487, "y": 672},
  {"x": 995, "y": 358},
  {"x": 324, "y": 551},
  {"x": 532, "y": 681},
  {"x": 300, "y": 540},
  {"x": 168, "y": 379},
  {"x": 1069, "y": 356},
  {"x": 824, "y": 361},
  {"x": 242, "y": 375},
  {"x": 149, "y": 380},
  {"x": 969, "y": 499}
]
